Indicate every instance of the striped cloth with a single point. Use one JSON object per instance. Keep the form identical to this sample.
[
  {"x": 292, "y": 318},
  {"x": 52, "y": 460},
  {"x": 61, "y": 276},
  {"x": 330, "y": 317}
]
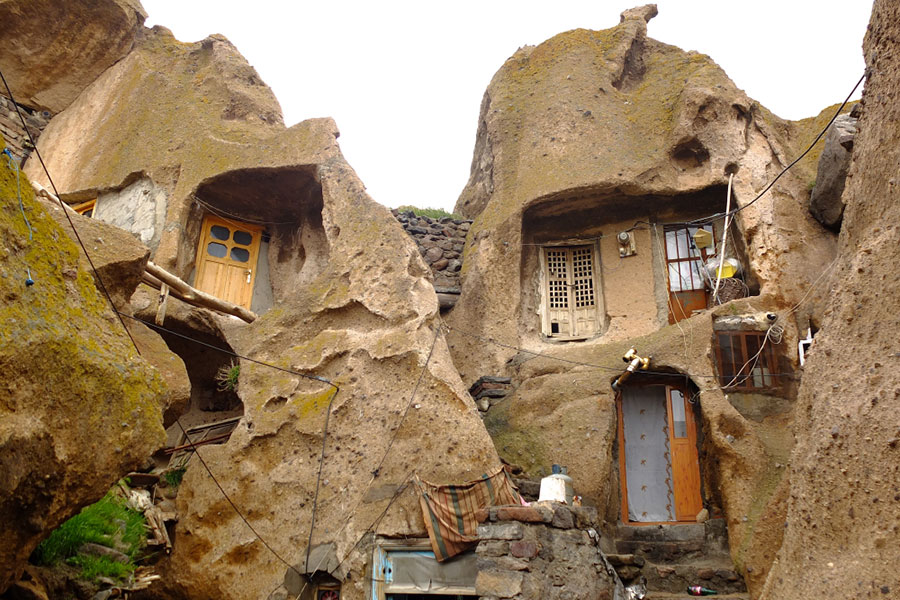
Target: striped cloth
[{"x": 449, "y": 510}]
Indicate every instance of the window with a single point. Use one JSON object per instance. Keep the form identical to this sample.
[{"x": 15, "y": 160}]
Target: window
[
  {"x": 686, "y": 271},
  {"x": 570, "y": 291},
  {"x": 746, "y": 360},
  {"x": 409, "y": 571},
  {"x": 85, "y": 209}
]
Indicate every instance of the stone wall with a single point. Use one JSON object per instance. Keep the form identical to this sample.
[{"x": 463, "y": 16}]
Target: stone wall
[
  {"x": 441, "y": 243},
  {"x": 541, "y": 553},
  {"x": 12, "y": 130}
]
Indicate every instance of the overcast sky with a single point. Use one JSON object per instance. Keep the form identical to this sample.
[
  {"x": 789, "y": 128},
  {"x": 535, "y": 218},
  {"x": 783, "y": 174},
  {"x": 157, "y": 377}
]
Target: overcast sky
[{"x": 404, "y": 79}]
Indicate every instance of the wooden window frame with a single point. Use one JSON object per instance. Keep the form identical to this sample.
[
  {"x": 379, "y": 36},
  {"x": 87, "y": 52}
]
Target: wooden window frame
[
  {"x": 739, "y": 375},
  {"x": 676, "y": 309},
  {"x": 83, "y": 207}
]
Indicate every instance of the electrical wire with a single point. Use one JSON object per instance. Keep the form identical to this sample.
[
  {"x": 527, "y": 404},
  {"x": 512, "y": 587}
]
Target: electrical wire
[
  {"x": 377, "y": 469},
  {"x": 224, "y": 214},
  {"x": 68, "y": 217}
]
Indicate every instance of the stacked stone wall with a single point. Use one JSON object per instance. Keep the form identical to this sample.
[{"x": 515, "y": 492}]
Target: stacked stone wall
[
  {"x": 441, "y": 243},
  {"x": 541, "y": 553},
  {"x": 12, "y": 130}
]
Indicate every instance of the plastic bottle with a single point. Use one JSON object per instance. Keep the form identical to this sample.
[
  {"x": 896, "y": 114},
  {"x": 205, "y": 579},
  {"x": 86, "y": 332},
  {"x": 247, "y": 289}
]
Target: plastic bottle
[{"x": 698, "y": 590}]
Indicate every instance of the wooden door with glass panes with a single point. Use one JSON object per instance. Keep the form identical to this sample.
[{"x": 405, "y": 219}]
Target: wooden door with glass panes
[
  {"x": 226, "y": 259},
  {"x": 570, "y": 291},
  {"x": 686, "y": 275}
]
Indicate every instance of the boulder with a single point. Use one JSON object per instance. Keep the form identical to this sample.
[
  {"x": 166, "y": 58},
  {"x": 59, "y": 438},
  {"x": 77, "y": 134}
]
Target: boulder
[
  {"x": 825, "y": 202},
  {"x": 81, "y": 408},
  {"x": 50, "y": 51},
  {"x": 843, "y": 508}
]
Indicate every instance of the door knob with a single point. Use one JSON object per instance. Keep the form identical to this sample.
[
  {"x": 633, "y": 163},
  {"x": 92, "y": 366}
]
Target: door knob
[{"x": 249, "y": 272}]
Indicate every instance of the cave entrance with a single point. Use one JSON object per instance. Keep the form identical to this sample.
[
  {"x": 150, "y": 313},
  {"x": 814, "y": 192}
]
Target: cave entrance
[{"x": 659, "y": 462}]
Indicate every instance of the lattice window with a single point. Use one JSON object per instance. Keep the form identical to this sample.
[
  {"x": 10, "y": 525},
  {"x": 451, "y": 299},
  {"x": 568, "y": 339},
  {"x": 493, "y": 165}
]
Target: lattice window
[
  {"x": 557, "y": 267},
  {"x": 570, "y": 291},
  {"x": 583, "y": 275}
]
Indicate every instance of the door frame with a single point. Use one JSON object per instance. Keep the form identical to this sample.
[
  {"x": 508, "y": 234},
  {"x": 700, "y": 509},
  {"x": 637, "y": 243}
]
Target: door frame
[{"x": 692, "y": 429}]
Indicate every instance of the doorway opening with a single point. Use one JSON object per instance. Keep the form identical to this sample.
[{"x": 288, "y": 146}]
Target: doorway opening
[{"x": 659, "y": 464}]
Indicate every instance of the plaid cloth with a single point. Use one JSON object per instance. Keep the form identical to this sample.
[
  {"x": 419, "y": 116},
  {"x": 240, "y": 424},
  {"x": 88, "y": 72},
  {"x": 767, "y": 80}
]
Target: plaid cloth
[{"x": 449, "y": 510}]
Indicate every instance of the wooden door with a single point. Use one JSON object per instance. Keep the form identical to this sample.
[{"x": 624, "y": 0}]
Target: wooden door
[
  {"x": 685, "y": 459},
  {"x": 658, "y": 460},
  {"x": 226, "y": 259},
  {"x": 686, "y": 272},
  {"x": 571, "y": 291}
]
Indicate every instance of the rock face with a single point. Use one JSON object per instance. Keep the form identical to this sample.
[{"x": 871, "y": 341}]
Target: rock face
[
  {"x": 842, "y": 513},
  {"x": 825, "y": 202},
  {"x": 50, "y": 51},
  {"x": 80, "y": 408},
  {"x": 593, "y": 134},
  {"x": 345, "y": 296}
]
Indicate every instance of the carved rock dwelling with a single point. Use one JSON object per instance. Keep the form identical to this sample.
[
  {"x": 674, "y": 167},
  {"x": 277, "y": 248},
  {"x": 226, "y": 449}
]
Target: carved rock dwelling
[{"x": 310, "y": 359}]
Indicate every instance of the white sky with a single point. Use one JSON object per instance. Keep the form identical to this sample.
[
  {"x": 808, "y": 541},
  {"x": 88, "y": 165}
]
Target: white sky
[{"x": 404, "y": 79}]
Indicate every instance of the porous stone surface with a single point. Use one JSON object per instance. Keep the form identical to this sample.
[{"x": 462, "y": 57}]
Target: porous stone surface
[
  {"x": 80, "y": 407},
  {"x": 50, "y": 51},
  {"x": 825, "y": 202},
  {"x": 843, "y": 507},
  {"x": 351, "y": 303}
]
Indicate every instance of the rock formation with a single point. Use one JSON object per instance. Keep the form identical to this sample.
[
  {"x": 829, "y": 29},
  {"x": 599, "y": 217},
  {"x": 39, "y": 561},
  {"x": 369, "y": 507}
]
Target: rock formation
[
  {"x": 825, "y": 202},
  {"x": 188, "y": 130},
  {"x": 842, "y": 513},
  {"x": 593, "y": 134},
  {"x": 50, "y": 51},
  {"x": 81, "y": 408}
]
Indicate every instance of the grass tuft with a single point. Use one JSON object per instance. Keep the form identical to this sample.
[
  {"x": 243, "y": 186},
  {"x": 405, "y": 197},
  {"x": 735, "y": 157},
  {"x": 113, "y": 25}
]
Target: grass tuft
[{"x": 109, "y": 523}]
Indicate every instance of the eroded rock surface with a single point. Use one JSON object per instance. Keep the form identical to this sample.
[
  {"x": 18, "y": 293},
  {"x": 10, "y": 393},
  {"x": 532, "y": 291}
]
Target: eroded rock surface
[
  {"x": 842, "y": 513},
  {"x": 825, "y": 202},
  {"x": 80, "y": 407},
  {"x": 593, "y": 134},
  {"x": 348, "y": 298},
  {"x": 50, "y": 51}
]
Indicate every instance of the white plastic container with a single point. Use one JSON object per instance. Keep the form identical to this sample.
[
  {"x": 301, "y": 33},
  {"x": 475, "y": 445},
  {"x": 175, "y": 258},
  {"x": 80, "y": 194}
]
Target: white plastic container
[{"x": 557, "y": 488}]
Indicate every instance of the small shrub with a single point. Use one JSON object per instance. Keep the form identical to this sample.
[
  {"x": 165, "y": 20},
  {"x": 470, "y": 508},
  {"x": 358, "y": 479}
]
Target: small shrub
[
  {"x": 434, "y": 213},
  {"x": 173, "y": 477},
  {"x": 227, "y": 376}
]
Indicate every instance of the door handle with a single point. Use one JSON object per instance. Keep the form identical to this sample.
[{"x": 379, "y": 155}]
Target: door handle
[{"x": 249, "y": 272}]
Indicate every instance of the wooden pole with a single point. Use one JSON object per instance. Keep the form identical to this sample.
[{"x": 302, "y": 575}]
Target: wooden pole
[{"x": 194, "y": 296}]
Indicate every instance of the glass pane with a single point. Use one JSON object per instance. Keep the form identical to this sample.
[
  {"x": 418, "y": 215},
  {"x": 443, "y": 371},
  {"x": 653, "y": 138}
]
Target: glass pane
[
  {"x": 219, "y": 233},
  {"x": 671, "y": 249},
  {"x": 683, "y": 250},
  {"x": 679, "y": 421},
  {"x": 240, "y": 254},
  {"x": 243, "y": 238},
  {"x": 217, "y": 250},
  {"x": 674, "y": 278}
]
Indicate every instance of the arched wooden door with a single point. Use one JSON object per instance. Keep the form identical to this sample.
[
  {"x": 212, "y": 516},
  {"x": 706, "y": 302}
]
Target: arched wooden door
[
  {"x": 226, "y": 259},
  {"x": 658, "y": 460}
]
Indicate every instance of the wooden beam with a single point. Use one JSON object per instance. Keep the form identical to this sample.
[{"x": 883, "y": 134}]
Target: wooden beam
[
  {"x": 194, "y": 296},
  {"x": 161, "y": 309}
]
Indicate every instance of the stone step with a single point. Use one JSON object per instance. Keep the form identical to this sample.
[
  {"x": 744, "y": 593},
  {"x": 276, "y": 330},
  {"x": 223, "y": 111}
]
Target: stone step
[
  {"x": 685, "y": 596},
  {"x": 675, "y": 542},
  {"x": 717, "y": 575}
]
